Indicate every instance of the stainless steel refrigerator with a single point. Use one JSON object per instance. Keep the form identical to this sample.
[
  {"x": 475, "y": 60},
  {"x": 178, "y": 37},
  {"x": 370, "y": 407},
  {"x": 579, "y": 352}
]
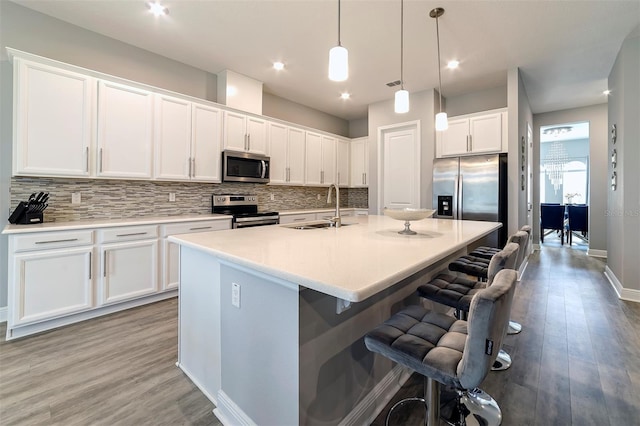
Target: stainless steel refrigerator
[{"x": 473, "y": 188}]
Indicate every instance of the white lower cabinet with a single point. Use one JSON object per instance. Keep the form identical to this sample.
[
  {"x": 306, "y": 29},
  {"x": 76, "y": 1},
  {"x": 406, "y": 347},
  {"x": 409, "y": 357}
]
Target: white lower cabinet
[
  {"x": 171, "y": 251},
  {"x": 62, "y": 277},
  {"x": 129, "y": 270},
  {"x": 52, "y": 283},
  {"x": 299, "y": 217}
]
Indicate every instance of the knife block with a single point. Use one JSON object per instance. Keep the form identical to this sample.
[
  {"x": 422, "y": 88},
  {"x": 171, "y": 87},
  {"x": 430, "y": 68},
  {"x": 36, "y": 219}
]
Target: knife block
[{"x": 31, "y": 217}]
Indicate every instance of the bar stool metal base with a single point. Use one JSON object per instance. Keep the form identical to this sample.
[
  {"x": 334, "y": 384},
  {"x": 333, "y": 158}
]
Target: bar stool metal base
[
  {"x": 514, "y": 327},
  {"x": 484, "y": 410},
  {"x": 502, "y": 362}
]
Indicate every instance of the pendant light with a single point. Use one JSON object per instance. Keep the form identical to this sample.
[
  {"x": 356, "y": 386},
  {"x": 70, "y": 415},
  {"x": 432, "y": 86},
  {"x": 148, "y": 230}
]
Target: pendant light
[
  {"x": 402, "y": 96},
  {"x": 338, "y": 58},
  {"x": 441, "y": 118}
]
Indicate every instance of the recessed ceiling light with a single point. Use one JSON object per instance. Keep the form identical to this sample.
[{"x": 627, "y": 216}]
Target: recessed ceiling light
[
  {"x": 606, "y": 92},
  {"x": 345, "y": 95},
  {"x": 278, "y": 66},
  {"x": 453, "y": 64},
  {"x": 157, "y": 9}
]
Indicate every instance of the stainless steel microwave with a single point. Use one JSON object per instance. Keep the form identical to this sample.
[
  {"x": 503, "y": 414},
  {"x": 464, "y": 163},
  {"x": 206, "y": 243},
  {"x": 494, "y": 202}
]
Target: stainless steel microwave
[{"x": 244, "y": 167}]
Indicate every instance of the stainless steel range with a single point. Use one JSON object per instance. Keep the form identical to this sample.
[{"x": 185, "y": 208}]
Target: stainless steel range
[{"x": 244, "y": 209}]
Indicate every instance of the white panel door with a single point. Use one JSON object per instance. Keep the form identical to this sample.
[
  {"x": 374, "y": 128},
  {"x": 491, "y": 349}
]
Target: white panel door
[
  {"x": 256, "y": 135},
  {"x": 125, "y": 144},
  {"x": 313, "y": 159},
  {"x": 453, "y": 141},
  {"x": 129, "y": 270},
  {"x": 172, "y": 138},
  {"x": 342, "y": 161},
  {"x": 206, "y": 140},
  {"x": 54, "y": 121},
  {"x": 235, "y": 131},
  {"x": 401, "y": 172},
  {"x": 329, "y": 171},
  {"x": 486, "y": 133},
  {"x": 52, "y": 283},
  {"x": 296, "y": 156},
  {"x": 278, "y": 138}
]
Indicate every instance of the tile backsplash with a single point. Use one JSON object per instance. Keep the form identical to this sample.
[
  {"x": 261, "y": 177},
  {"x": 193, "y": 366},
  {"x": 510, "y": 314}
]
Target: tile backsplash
[{"x": 115, "y": 199}]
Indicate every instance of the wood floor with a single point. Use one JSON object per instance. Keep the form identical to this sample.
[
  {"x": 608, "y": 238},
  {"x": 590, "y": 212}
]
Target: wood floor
[{"x": 577, "y": 361}]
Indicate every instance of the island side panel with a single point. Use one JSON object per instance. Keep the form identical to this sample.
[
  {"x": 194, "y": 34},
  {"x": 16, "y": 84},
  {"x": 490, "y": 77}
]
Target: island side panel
[
  {"x": 259, "y": 349},
  {"x": 199, "y": 320},
  {"x": 337, "y": 372}
]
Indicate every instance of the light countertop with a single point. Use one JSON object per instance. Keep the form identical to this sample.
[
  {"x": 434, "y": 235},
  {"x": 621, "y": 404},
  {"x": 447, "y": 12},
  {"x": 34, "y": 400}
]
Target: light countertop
[
  {"x": 352, "y": 262},
  {"x": 109, "y": 223}
]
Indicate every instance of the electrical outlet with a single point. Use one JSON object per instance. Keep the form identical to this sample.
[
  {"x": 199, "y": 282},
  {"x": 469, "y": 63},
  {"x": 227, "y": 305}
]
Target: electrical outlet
[
  {"x": 172, "y": 196},
  {"x": 318, "y": 196},
  {"x": 75, "y": 198},
  {"x": 273, "y": 197},
  {"x": 235, "y": 295}
]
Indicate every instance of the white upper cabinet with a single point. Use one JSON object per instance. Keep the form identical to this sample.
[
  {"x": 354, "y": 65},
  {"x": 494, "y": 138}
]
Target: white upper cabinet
[
  {"x": 125, "y": 144},
  {"x": 296, "y": 156},
  {"x": 244, "y": 133},
  {"x": 359, "y": 162},
  {"x": 473, "y": 134},
  {"x": 172, "y": 138},
  {"x": 320, "y": 159},
  {"x": 286, "y": 151},
  {"x": 343, "y": 156},
  {"x": 206, "y": 138},
  {"x": 54, "y": 121}
]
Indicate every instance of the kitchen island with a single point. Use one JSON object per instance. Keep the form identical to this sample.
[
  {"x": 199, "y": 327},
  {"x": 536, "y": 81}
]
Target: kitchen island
[{"x": 271, "y": 318}]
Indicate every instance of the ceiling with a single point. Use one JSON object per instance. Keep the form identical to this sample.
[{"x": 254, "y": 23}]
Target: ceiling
[{"x": 564, "y": 49}]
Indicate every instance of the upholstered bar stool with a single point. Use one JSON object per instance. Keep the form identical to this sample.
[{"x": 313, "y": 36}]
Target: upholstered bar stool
[
  {"x": 451, "y": 352},
  {"x": 457, "y": 292}
]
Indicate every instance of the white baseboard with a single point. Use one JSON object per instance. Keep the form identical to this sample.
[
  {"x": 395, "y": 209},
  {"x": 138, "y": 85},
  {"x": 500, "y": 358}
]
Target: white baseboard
[
  {"x": 195, "y": 381},
  {"x": 629, "y": 294},
  {"x": 597, "y": 253},
  {"x": 229, "y": 413},
  {"x": 371, "y": 405},
  {"x": 3, "y": 314}
]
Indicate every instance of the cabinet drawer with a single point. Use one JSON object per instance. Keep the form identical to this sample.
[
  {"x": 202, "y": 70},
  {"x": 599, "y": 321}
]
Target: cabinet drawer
[
  {"x": 293, "y": 218},
  {"x": 128, "y": 233},
  {"x": 51, "y": 240},
  {"x": 190, "y": 227}
]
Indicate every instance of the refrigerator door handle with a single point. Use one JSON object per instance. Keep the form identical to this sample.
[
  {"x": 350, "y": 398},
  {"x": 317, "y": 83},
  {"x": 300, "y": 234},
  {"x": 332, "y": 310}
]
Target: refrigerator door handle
[
  {"x": 456, "y": 191},
  {"x": 460, "y": 206}
]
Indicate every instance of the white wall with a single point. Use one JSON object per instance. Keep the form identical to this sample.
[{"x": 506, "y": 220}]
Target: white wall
[
  {"x": 623, "y": 204},
  {"x": 596, "y": 115},
  {"x": 482, "y": 100}
]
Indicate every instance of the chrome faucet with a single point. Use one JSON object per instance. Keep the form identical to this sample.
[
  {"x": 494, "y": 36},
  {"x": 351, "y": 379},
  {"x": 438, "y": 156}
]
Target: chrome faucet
[{"x": 336, "y": 219}]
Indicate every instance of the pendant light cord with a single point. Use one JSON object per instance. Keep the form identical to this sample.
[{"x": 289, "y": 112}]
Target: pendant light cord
[
  {"x": 402, "y": 44},
  {"x": 339, "y": 44},
  {"x": 439, "y": 67}
]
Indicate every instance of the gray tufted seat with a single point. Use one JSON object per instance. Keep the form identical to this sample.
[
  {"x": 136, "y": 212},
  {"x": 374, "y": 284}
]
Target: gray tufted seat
[
  {"x": 476, "y": 263},
  {"x": 453, "y": 352},
  {"x": 457, "y": 292}
]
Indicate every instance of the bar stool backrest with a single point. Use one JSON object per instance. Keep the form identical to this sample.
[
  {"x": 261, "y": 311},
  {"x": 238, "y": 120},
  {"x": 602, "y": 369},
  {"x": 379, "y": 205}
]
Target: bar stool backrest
[
  {"x": 504, "y": 259},
  {"x": 522, "y": 239},
  {"x": 488, "y": 319}
]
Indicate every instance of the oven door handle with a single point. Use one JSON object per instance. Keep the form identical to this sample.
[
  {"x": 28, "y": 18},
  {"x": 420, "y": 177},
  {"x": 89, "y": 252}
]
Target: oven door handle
[{"x": 247, "y": 224}]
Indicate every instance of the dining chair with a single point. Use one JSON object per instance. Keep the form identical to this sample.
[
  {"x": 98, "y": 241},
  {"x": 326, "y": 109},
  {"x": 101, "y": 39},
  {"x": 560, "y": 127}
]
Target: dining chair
[
  {"x": 552, "y": 218},
  {"x": 578, "y": 221}
]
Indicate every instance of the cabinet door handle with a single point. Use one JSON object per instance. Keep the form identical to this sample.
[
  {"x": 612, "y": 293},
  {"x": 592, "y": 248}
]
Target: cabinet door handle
[
  {"x": 467, "y": 143},
  {"x": 338, "y": 178},
  {"x": 299, "y": 219},
  {"x": 100, "y": 160},
  {"x": 245, "y": 142},
  {"x": 199, "y": 227},
  {"x": 322, "y": 176},
  {"x": 189, "y": 166},
  {"x": 131, "y": 234},
  {"x": 470, "y": 143},
  {"x": 57, "y": 241},
  {"x": 288, "y": 174},
  {"x": 89, "y": 265},
  {"x": 193, "y": 167},
  {"x": 86, "y": 165},
  {"x": 104, "y": 264},
  {"x": 249, "y": 142},
  {"x": 364, "y": 179}
]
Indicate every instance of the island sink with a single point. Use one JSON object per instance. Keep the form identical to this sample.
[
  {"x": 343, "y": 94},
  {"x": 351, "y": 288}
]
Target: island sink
[{"x": 314, "y": 225}]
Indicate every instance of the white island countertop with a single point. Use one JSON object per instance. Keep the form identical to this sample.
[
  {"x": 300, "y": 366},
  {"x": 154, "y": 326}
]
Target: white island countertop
[{"x": 352, "y": 262}]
